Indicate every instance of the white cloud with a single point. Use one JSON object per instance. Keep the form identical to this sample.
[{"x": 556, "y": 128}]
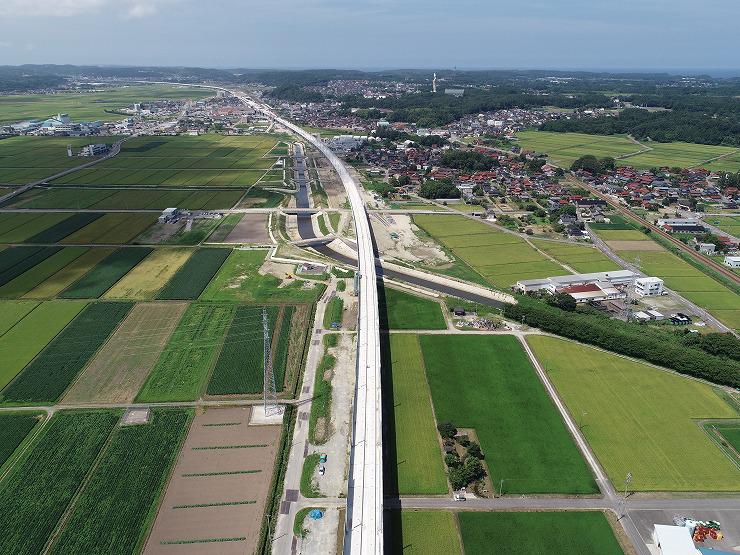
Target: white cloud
[
  {"x": 140, "y": 10},
  {"x": 132, "y": 9}
]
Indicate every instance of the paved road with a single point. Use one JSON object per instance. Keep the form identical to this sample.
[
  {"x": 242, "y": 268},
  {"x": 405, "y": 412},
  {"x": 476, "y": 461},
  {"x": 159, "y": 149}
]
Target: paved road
[{"x": 284, "y": 541}]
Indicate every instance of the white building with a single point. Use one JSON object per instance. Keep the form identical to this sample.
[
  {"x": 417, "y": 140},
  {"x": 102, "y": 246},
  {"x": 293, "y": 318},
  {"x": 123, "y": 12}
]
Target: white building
[
  {"x": 649, "y": 287},
  {"x": 674, "y": 540},
  {"x": 553, "y": 284},
  {"x": 168, "y": 215},
  {"x": 732, "y": 261}
]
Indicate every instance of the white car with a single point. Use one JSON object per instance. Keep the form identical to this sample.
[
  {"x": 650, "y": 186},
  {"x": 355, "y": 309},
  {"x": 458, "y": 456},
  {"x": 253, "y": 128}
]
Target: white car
[{"x": 322, "y": 470}]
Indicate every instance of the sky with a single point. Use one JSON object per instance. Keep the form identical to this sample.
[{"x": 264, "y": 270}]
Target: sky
[{"x": 374, "y": 34}]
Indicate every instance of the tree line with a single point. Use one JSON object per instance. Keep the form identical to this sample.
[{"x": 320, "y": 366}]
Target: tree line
[
  {"x": 664, "y": 127},
  {"x": 699, "y": 358}
]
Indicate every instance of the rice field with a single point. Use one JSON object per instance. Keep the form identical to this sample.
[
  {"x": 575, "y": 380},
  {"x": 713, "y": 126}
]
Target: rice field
[
  {"x": 94, "y": 105},
  {"x": 30, "y": 279},
  {"x": 27, "y": 159},
  {"x": 529, "y": 449},
  {"x": 17, "y": 228},
  {"x": 181, "y": 161},
  {"x": 114, "y": 229},
  {"x": 46, "y": 377},
  {"x": 28, "y": 332},
  {"x": 147, "y": 278},
  {"x": 125, "y": 199},
  {"x": 105, "y": 273},
  {"x": 500, "y": 258},
  {"x": 415, "y": 454},
  {"x": 582, "y": 259},
  {"x": 195, "y": 274},
  {"x": 640, "y": 419},
  {"x": 563, "y": 148}
]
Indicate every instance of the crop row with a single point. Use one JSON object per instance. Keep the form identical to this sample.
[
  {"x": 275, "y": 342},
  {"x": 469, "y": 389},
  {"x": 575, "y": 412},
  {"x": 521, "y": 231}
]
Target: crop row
[
  {"x": 34, "y": 497},
  {"x": 106, "y": 273},
  {"x": 124, "y": 488},
  {"x": 189, "y": 355},
  {"x": 51, "y": 372},
  {"x": 239, "y": 368},
  {"x": 15, "y": 261},
  {"x": 195, "y": 274},
  {"x": 60, "y": 230}
]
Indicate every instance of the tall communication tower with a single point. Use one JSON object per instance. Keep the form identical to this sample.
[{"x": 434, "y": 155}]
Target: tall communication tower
[
  {"x": 434, "y": 83},
  {"x": 270, "y": 391}
]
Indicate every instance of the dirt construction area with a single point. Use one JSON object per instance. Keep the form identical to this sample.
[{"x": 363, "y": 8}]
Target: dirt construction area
[
  {"x": 396, "y": 238},
  {"x": 252, "y": 228},
  {"x": 215, "y": 500}
]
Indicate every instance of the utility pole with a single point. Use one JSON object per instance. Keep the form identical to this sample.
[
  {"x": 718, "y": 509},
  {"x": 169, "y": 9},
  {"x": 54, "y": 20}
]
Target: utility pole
[
  {"x": 627, "y": 481},
  {"x": 269, "y": 389}
]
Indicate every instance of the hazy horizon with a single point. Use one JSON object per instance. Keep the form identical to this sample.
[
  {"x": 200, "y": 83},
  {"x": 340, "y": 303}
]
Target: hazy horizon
[{"x": 568, "y": 35}]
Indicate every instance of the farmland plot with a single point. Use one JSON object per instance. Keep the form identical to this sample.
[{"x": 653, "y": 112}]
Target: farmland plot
[
  {"x": 146, "y": 279},
  {"x": 35, "y": 495},
  {"x": 23, "y": 341},
  {"x": 49, "y": 374},
  {"x": 117, "y": 229},
  {"x": 189, "y": 355},
  {"x": 66, "y": 227},
  {"x": 105, "y": 274},
  {"x": 118, "y": 371},
  {"x": 16, "y": 228},
  {"x": 11, "y": 312},
  {"x": 501, "y": 258},
  {"x": 22, "y": 284},
  {"x": 640, "y": 419},
  {"x": 239, "y": 368},
  {"x": 193, "y": 277},
  {"x": 16, "y": 260},
  {"x": 62, "y": 279},
  {"x": 215, "y": 499},
  {"x": 529, "y": 448},
  {"x": 124, "y": 487},
  {"x": 14, "y": 427}
]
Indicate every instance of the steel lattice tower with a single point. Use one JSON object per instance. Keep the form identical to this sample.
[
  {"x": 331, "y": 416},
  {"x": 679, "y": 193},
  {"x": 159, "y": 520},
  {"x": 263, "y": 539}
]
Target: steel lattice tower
[{"x": 270, "y": 391}]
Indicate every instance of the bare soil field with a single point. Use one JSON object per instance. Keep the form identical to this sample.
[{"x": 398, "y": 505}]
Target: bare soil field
[
  {"x": 396, "y": 237},
  {"x": 331, "y": 183},
  {"x": 634, "y": 246},
  {"x": 252, "y": 228},
  {"x": 215, "y": 500},
  {"x": 120, "y": 368}
]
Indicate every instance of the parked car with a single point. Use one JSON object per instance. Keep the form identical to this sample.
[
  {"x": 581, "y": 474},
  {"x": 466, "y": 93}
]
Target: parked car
[
  {"x": 322, "y": 470},
  {"x": 322, "y": 458}
]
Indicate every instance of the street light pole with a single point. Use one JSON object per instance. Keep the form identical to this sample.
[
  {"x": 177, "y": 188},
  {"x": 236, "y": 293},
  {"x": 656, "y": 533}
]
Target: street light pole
[{"x": 627, "y": 481}]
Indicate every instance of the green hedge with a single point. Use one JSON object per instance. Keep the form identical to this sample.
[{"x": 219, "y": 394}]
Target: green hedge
[{"x": 634, "y": 340}]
